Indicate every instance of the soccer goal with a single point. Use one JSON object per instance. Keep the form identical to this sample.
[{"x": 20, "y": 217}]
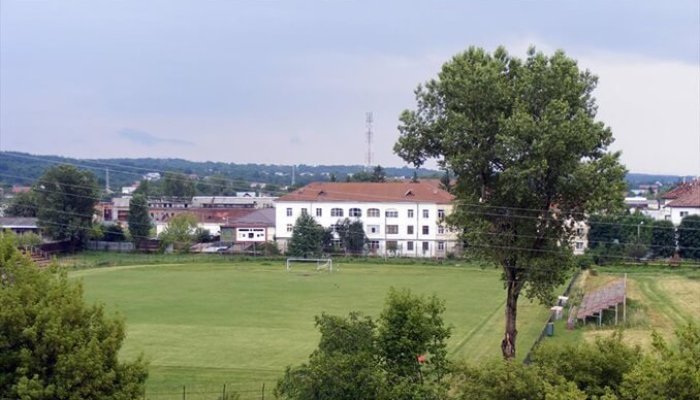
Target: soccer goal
[{"x": 322, "y": 264}]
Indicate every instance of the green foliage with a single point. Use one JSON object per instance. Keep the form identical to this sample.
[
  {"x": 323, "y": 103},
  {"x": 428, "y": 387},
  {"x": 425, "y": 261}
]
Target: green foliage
[
  {"x": 178, "y": 185},
  {"x": 663, "y": 239},
  {"x": 113, "y": 233},
  {"x": 180, "y": 232},
  {"x": 689, "y": 237},
  {"x": 595, "y": 369},
  {"x": 351, "y": 235},
  {"x": 148, "y": 188},
  {"x": 202, "y": 235},
  {"x": 139, "y": 220},
  {"x": 529, "y": 158},
  {"x": 614, "y": 237},
  {"x": 54, "y": 346},
  {"x": 352, "y": 360},
  {"x": 670, "y": 372},
  {"x": 22, "y": 205},
  {"x": 28, "y": 241},
  {"x": 307, "y": 237},
  {"x": 66, "y": 198}
]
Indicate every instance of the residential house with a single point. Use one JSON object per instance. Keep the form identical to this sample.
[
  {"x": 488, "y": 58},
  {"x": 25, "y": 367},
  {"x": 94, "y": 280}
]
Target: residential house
[
  {"x": 250, "y": 229},
  {"x": 19, "y": 225},
  {"x": 399, "y": 218},
  {"x": 681, "y": 201}
]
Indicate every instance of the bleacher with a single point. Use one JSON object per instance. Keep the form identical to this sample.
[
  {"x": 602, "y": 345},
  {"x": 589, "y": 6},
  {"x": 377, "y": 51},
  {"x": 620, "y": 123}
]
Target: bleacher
[{"x": 595, "y": 302}]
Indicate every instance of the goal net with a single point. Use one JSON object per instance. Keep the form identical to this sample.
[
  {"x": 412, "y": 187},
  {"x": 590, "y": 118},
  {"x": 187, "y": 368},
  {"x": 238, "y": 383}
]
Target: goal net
[{"x": 321, "y": 264}]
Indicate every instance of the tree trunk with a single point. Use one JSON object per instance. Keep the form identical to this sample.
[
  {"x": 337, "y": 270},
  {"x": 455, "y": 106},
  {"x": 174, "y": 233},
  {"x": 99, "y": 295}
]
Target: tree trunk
[{"x": 513, "y": 292}]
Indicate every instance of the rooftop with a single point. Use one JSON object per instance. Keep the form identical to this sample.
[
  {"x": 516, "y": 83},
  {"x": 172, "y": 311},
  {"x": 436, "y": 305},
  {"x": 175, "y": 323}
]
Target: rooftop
[{"x": 371, "y": 192}]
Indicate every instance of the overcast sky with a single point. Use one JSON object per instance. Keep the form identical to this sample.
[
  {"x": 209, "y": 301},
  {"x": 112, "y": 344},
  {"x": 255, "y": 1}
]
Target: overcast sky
[{"x": 290, "y": 82}]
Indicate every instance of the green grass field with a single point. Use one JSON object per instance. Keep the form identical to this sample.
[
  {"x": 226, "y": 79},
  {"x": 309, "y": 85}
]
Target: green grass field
[
  {"x": 659, "y": 299},
  {"x": 240, "y": 323}
]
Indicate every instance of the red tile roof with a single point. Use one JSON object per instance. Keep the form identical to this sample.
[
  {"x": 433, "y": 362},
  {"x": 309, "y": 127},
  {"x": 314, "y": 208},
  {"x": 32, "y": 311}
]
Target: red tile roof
[
  {"x": 371, "y": 192},
  {"x": 687, "y": 196},
  {"x": 680, "y": 190}
]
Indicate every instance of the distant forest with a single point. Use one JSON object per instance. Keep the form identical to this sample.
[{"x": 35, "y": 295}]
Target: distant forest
[{"x": 23, "y": 169}]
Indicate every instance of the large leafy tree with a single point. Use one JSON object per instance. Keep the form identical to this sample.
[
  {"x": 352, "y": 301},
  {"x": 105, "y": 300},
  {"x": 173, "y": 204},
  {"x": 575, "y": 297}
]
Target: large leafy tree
[
  {"x": 689, "y": 237},
  {"x": 400, "y": 356},
  {"x": 66, "y": 198},
  {"x": 180, "y": 232},
  {"x": 529, "y": 158},
  {"x": 52, "y": 345},
  {"x": 22, "y": 205},
  {"x": 307, "y": 237},
  {"x": 139, "y": 220},
  {"x": 663, "y": 239}
]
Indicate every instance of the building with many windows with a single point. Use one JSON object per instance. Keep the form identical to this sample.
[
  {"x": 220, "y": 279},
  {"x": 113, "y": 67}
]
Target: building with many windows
[{"x": 400, "y": 218}]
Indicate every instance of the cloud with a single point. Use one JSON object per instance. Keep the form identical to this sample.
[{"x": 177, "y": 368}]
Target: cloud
[{"x": 146, "y": 139}]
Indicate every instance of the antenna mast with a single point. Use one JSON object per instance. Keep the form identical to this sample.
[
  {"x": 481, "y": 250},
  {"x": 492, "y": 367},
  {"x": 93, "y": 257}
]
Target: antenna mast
[{"x": 369, "y": 120}]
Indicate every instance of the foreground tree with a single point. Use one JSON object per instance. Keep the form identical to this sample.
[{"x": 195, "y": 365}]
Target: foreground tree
[
  {"x": 307, "y": 237},
  {"x": 528, "y": 156},
  {"x": 139, "y": 221},
  {"x": 66, "y": 198},
  {"x": 52, "y": 345},
  {"x": 689, "y": 237},
  {"x": 402, "y": 356}
]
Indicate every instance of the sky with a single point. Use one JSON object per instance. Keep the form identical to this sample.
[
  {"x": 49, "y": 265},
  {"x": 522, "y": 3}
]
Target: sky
[{"x": 291, "y": 82}]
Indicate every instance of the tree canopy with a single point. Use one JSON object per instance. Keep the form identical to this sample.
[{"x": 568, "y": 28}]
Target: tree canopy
[
  {"x": 22, "y": 205},
  {"x": 178, "y": 185},
  {"x": 689, "y": 237},
  {"x": 528, "y": 156},
  {"x": 307, "y": 237},
  {"x": 66, "y": 198},
  {"x": 400, "y": 356},
  {"x": 52, "y": 345},
  {"x": 139, "y": 221},
  {"x": 180, "y": 232}
]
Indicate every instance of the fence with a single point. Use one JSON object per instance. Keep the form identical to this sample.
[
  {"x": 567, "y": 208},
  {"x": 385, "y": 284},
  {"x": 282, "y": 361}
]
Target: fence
[
  {"x": 100, "y": 245},
  {"x": 567, "y": 291},
  {"x": 224, "y": 392}
]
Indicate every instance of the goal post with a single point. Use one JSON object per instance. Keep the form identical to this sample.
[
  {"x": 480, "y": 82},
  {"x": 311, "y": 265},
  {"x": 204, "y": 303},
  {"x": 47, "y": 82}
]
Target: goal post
[{"x": 322, "y": 264}]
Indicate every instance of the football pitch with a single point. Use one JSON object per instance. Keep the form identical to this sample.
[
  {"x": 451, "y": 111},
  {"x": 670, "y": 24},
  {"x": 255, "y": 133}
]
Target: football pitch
[{"x": 203, "y": 325}]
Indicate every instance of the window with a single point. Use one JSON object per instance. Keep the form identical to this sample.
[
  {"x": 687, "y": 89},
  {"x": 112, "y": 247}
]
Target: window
[
  {"x": 441, "y": 213},
  {"x": 392, "y": 214},
  {"x": 373, "y": 212},
  {"x": 426, "y": 214},
  {"x": 319, "y": 212},
  {"x": 441, "y": 230},
  {"x": 303, "y": 211},
  {"x": 289, "y": 211},
  {"x": 426, "y": 230},
  {"x": 441, "y": 246},
  {"x": 684, "y": 214},
  {"x": 290, "y": 227},
  {"x": 392, "y": 229},
  {"x": 579, "y": 245},
  {"x": 392, "y": 245},
  {"x": 410, "y": 213},
  {"x": 409, "y": 229},
  {"x": 426, "y": 247},
  {"x": 409, "y": 246},
  {"x": 374, "y": 244},
  {"x": 355, "y": 212},
  {"x": 579, "y": 232},
  {"x": 336, "y": 212},
  {"x": 373, "y": 228}
]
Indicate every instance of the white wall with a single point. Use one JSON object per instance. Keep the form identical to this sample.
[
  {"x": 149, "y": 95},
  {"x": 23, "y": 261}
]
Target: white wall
[
  {"x": 376, "y": 227},
  {"x": 677, "y": 213}
]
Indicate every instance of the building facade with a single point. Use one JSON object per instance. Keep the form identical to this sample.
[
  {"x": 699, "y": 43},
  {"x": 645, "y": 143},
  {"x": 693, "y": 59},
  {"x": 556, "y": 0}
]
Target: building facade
[{"x": 404, "y": 219}]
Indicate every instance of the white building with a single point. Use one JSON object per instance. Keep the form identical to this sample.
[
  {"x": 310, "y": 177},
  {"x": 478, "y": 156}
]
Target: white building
[
  {"x": 682, "y": 201},
  {"x": 399, "y": 218}
]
